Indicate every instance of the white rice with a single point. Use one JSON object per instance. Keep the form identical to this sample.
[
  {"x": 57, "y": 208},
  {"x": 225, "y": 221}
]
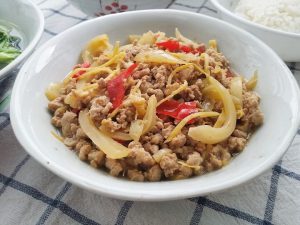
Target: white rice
[{"x": 278, "y": 14}]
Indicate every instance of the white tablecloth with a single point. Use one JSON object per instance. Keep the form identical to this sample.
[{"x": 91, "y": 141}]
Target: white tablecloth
[{"x": 30, "y": 194}]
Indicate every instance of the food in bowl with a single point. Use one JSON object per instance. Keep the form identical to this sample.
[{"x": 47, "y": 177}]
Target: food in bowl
[
  {"x": 9, "y": 45},
  {"x": 158, "y": 108},
  {"x": 282, "y": 15}
]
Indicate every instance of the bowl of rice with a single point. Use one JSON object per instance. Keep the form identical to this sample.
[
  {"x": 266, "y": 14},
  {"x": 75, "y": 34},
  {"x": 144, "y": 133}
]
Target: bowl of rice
[{"x": 276, "y": 22}]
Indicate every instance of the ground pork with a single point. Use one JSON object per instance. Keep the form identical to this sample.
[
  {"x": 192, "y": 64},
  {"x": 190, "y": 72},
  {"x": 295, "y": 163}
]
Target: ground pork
[
  {"x": 68, "y": 119},
  {"x": 96, "y": 158},
  {"x": 114, "y": 167},
  {"x": 135, "y": 175},
  {"x": 110, "y": 125},
  {"x": 56, "y": 119},
  {"x": 100, "y": 108},
  {"x": 140, "y": 156},
  {"x": 125, "y": 116},
  {"x": 169, "y": 165},
  {"x": 56, "y": 104},
  {"x": 154, "y": 173}
]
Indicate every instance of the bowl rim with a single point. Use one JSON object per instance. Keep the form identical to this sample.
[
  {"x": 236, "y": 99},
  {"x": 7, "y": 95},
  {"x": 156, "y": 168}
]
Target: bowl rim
[
  {"x": 29, "y": 146},
  {"x": 30, "y": 47},
  {"x": 229, "y": 13}
]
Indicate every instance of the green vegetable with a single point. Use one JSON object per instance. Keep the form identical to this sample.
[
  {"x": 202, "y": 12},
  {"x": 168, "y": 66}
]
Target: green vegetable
[{"x": 9, "y": 47}]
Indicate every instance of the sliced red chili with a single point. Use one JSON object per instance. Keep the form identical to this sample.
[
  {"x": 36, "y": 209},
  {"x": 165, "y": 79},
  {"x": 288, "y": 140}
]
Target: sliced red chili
[
  {"x": 170, "y": 45},
  {"x": 175, "y": 46},
  {"x": 177, "y": 110},
  {"x": 186, "y": 49},
  {"x": 116, "y": 88}
]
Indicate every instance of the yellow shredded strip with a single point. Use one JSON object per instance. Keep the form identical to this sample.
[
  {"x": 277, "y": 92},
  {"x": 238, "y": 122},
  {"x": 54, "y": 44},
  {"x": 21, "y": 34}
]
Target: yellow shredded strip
[
  {"x": 58, "y": 137},
  {"x": 114, "y": 73},
  {"x": 180, "y": 89},
  {"x": 88, "y": 76},
  {"x": 183, "y": 122},
  {"x": 114, "y": 59},
  {"x": 177, "y": 70},
  {"x": 114, "y": 112},
  {"x": 206, "y": 63},
  {"x": 116, "y": 48},
  {"x": 200, "y": 70}
]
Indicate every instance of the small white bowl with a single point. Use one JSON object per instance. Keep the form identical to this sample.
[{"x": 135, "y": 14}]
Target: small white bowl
[
  {"x": 286, "y": 44},
  {"x": 277, "y": 87},
  {"x": 105, "y": 7},
  {"x": 29, "y": 22}
]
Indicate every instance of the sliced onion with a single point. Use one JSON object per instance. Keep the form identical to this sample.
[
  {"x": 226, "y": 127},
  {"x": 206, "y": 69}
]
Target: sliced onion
[
  {"x": 140, "y": 127},
  {"x": 236, "y": 88},
  {"x": 136, "y": 129},
  {"x": 221, "y": 119},
  {"x": 150, "y": 116},
  {"x": 183, "y": 122},
  {"x": 147, "y": 39},
  {"x": 157, "y": 56},
  {"x": 53, "y": 91},
  {"x": 110, "y": 147},
  {"x": 211, "y": 135},
  {"x": 185, "y": 40},
  {"x": 251, "y": 84}
]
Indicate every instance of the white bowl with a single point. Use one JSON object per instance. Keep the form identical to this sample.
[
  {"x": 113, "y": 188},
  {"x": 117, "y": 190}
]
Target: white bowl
[
  {"x": 29, "y": 22},
  {"x": 105, "y": 7},
  {"x": 286, "y": 44},
  {"x": 277, "y": 87}
]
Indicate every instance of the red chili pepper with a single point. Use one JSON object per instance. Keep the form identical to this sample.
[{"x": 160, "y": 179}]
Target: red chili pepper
[
  {"x": 116, "y": 88},
  {"x": 186, "y": 49},
  {"x": 176, "y": 109},
  {"x": 170, "y": 45},
  {"x": 175, "y": 46},
  {"x": 80, "y": 72}
]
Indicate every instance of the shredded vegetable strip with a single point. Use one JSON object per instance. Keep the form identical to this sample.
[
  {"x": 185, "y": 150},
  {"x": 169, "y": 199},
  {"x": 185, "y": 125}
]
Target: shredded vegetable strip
[
  {"x": 58, "y": 137},
  {"x": 177, "y": 70},
  {"x": 183, "y": 122},
  {"x": 113, "y": 60},
  {"x": 201, "y": 70},
  {"x": 110, "y": 147},
  {"x": 180, "y": 89},
  {"x": 88, "y": 76}
]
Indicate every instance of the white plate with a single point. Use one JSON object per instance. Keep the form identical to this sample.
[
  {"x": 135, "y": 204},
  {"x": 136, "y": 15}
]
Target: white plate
[{"x": 277, "y": 87}]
